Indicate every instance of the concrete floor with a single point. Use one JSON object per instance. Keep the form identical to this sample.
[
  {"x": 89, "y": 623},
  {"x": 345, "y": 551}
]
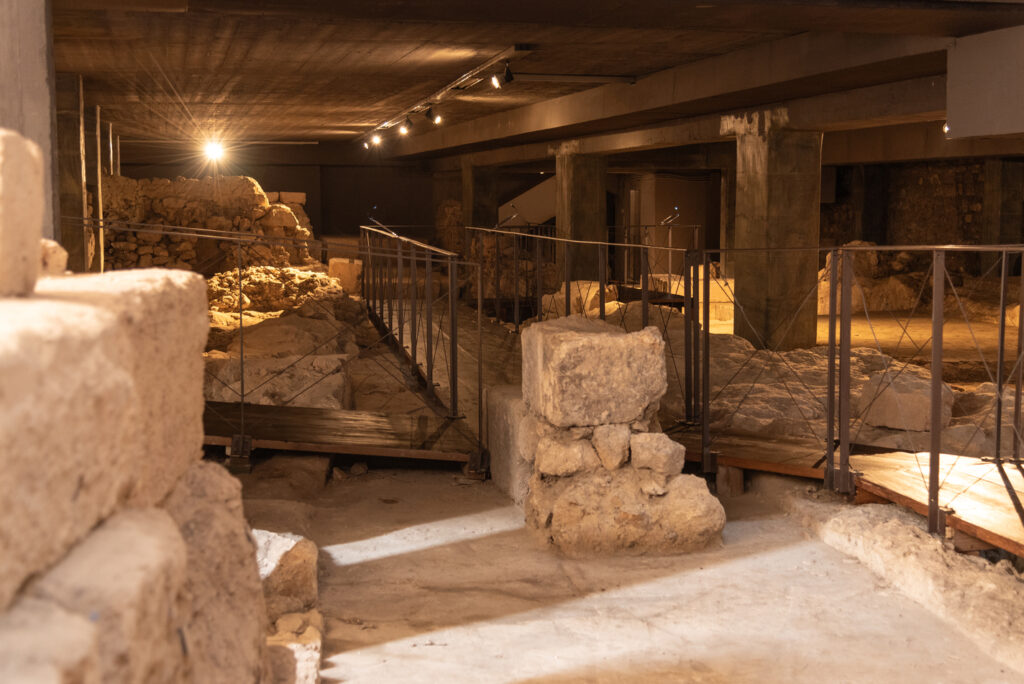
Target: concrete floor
[{"x": 428, "y": 577}]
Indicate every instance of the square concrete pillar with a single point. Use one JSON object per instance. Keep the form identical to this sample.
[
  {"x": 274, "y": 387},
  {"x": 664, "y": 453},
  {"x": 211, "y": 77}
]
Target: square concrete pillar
[
  {"x": 581, "y": 206},
  {"x": 448, "y": 223},
  {"x": 778, "y": 197}
]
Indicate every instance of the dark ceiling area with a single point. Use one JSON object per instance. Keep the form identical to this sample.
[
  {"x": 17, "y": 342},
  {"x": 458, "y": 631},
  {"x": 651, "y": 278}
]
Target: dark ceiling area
[{"x": 264, "y": 70}]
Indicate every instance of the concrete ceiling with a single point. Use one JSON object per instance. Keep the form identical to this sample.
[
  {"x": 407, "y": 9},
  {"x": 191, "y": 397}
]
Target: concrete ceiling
[{"x": 319, "y": 70}]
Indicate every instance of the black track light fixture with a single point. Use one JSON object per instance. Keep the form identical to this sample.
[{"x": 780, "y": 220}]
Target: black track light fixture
[
  {"x": 508, "y": 77},
  {"x": 431, "y": 116}
]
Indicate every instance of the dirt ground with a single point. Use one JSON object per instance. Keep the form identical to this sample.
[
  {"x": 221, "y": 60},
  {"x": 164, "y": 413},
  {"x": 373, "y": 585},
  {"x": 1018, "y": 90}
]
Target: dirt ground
[{"x": 426, "y": 576}]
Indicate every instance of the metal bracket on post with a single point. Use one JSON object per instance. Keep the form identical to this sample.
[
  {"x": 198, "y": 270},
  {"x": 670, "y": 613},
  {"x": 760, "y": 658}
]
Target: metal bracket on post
[{"x": 239, "y": 454}]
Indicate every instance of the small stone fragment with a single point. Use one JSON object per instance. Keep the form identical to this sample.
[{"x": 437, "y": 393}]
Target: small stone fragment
[
  {"x": 561, "y": 455},
  {"x": 656, "y": 451},
  {"x": 358, "y": 468},
  {"x": 612, "y": 445}
]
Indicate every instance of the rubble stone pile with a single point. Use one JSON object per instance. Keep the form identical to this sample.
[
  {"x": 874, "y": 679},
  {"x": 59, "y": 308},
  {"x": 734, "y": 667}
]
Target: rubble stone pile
[
  {"x": 604, "y": 479},
  {"x": 223, "y": 203}
]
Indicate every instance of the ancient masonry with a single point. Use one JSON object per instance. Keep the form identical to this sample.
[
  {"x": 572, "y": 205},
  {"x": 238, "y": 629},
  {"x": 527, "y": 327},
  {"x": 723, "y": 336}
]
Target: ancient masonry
[
  {"x": 124, "y": 558},
  {"x": 602, "y": 478}
]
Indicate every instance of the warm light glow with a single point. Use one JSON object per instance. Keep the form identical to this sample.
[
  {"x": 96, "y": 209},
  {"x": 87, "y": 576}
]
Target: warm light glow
[
  {"x": 375, "y": 139},
  {"x": 437, "y": 119},
  {"x": 214, "y": 151},
  {"x": 403, "y": 130},
  {"x": 945, "y": 128},
  {"x": 366, "y": 145},
  {"x": 495, "y": 82}
]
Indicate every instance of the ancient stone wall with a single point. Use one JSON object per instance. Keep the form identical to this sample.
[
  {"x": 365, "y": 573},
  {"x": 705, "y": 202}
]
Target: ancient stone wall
[
  {"x": 222, "y": 203},
  {"x": 123, "y": 557}
]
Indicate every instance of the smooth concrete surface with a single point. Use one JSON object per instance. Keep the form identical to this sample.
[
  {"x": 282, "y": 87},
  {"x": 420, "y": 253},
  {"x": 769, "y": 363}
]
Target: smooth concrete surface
[
  {"x": 778, "y": 189},
  {"x": 427, "y": 577}
]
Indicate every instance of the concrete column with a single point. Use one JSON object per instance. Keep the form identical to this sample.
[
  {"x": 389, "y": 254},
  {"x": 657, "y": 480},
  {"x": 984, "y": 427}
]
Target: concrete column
[
  {"x": 71, "y": 174},
  {"x": 727, "y": 219},
  {"x": 778, "y": 196},
  {"x": 479, "y": 195},
  {"x": 448, "y": 223},
  {"x": 581, "y": 206},
  {"x": 26, "y": 81},
  {"x": 1002, "y": 221}
]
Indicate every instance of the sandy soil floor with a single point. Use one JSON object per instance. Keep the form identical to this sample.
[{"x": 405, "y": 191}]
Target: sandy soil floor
[{"x": 428, "y": 577}]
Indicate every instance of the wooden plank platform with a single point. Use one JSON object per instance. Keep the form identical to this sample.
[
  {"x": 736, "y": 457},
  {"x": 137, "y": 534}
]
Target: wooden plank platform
[
  {"x": 972, "y": 488},
  {"x": 332, "y": 431}
]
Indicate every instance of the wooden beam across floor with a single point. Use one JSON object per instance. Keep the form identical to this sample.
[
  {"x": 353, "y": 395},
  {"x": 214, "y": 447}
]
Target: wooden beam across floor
[{"x": 332, "y": 431}]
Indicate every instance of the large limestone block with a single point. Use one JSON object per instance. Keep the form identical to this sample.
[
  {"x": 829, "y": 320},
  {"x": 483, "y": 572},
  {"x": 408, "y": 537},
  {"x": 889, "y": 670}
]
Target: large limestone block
[
  {"x": 21, "y": 213},
  {"x": 100, "y": 405},
  {"x": 902, "y": 400},
  {"x": 349, "y": 272},
  {"x": 608, "y": 512},
  {"x": 127, "y": 578},
  {"x": 227, "y": 619},
  {"x": 562, "y": 455},
  {"x": 657, "y": 452},
  {"x": 287, "y": 565},
  {"x": 511, "y": 440},
  {"x": 42, "y": 643},
  {"x": 582, "y": 372}
]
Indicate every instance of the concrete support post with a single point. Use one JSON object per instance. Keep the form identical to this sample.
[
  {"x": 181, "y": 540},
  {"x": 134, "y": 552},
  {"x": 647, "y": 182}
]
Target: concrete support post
[
  {"x": 479, "y": 195},
  {"x": 26, "y": 81},
  {"x": 74, "y": 236},
  {"x": 778, "y": 196},
  {"x": 580, "y": 205},
  {"x": 1002, "y": 219},
  {"x": 448, "y": 223},
  {"x": 727, "y": 219}
]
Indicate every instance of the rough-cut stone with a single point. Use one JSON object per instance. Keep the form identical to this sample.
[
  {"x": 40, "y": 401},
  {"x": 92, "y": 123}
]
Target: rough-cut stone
[
  {"x": 287, "y": 565},
  {"x": 511, "y": 441},
  {"x": 53, "y": 259},
  {"x": 902, "y": 400},
  {"x": 656, "y": 451},
  {"x": 349, "y": 272},
  {"x": 612, "y": 445},
  {"x": 88, "y": 389},
  {"x": 127, "y": 577},
  {"x": 320, "y": 381},
  {"x": 292, "y": 197},
  {"x": 227, "y": 619},
  {"x": 272, "y": 288},
  {"x": 581, "y": 372},
  {"x": 42, "y": 643},
  {"x": 21, "y": 213},
  {"x": 561, "y": 455},
  {"x": 607, "y": 511},
  {"x": 295, "y": 335}
]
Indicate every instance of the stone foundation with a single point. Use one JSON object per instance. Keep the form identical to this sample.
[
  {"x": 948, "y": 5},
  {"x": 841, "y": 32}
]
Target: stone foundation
[{"x": 602, "y": 481}]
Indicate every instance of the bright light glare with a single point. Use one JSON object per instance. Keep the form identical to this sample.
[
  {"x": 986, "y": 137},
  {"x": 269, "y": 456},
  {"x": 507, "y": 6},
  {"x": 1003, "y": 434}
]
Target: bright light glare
[
  {"x": 366, "y": 145},
  {"x": 403, "y": 130},
  {"x": 214, "y": 151},
  {"x": 495, "y": 82},
  {"x": 375, "y": 139},
  {"x": 945, "y": 128},
  {"x": 437, "y": 119}
]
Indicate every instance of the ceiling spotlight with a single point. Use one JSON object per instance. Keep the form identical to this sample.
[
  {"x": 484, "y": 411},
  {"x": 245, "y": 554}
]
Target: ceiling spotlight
[
  {"x": 431, "y": 116},
  {"x": 366, "y": 144},
  {"x": 375, "y": 139},
  {"x": 495, "y": 82},
  {"x": 213, "y": 150},
  {"x": 403, "y": 130},
  {"x": 945, "y": 128}
]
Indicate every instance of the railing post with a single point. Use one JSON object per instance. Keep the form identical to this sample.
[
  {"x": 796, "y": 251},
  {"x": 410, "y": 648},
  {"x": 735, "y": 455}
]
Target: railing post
[
  {"x": 400, "y": 296},
  {"x": 566, "y": 265},
  {"x": 644, "y": 289},
  {"x": 602, "y": 276},
  {"x": 497, "y": 276},
  {"x": 515, "y": 280},
  {"x": 453, "y": 336},
  {"x": 1001, "y": 354},
  {"x": 688, "y": 340},
  {"x": 414, "y": 330},
  {"x": 845, "y": 484},
  {"x": 934, "y": 461},
  {"x": 830, "y": 402},
  {"x": 428, "y": 315},
  {"x": 538, "y": 277},
  {"x": 707, "y": 458},
  {"x": 1020, "y": 368}
]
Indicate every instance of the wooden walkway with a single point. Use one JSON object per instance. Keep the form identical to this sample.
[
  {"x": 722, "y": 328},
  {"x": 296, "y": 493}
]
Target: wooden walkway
[
  {"x": 331, "y": 431},
  {"x": 971, "y": 488}
]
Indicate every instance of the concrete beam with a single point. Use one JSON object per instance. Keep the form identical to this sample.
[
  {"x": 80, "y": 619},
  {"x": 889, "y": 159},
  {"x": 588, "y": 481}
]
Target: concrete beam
[
  {"x": 912, "y": 101},
  {"x": 793, "y": 67},
  {"x": 911, "y": 142}
]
